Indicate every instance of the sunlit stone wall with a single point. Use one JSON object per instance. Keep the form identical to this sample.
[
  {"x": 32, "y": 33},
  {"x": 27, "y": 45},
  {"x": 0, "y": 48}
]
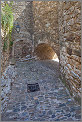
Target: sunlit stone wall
[
  {"x": 70, "y": 45},
  {"x": 46, "y": 24}
]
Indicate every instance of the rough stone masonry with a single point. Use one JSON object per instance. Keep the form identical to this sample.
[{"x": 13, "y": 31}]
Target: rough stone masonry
[
  {"x": 57, "y": 24},
  {"x": 70, "y": 45}
]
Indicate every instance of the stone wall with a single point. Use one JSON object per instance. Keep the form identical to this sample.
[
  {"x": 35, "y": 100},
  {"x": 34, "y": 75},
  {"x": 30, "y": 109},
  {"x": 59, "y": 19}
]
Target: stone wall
[
  {"x": 5, "y": 54},
  {"x": 23, "y": 16},
  {"x": 4, "y": 58},
  {"x": 70, "y": 45},
  {"x": 7, "y": 79},
  {"x": 22, "y": 49},
  {"x": 46, "y": 24}
]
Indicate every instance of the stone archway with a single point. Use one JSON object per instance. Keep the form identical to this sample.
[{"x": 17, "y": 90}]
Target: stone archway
[{"x": 45, "y": 51}]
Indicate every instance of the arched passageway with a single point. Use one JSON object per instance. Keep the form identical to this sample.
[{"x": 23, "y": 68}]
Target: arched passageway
[
  {"x": 51, "y": 33},
  {"x": 45, "y": 51}
]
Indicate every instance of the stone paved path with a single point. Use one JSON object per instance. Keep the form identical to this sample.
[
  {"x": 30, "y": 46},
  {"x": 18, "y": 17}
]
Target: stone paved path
[{"x": 51, "y": 103}]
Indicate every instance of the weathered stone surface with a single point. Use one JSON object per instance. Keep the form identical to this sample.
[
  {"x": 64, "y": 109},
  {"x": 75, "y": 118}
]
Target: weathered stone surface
[
  {"x": 23, "y": 15},
  {"x": 46, "y": 24},
  {"x": 8, "y": 77},
  {"x": 69, "y": 51},
  {"x": 22, "y": 48},
  {"x": 51, "y": 103},
  {"x": 77, "y": 52},
  {"x": 70, "y": 64}
]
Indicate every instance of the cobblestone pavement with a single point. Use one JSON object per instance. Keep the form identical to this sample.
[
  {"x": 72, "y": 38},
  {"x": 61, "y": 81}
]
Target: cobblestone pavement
[{"x": 51, "y": 103}]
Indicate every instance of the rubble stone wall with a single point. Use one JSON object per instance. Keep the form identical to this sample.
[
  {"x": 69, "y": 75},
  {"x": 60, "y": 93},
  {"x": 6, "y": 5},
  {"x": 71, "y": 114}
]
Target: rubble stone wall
[
  {"x": 70, "y": 45},
  {"x": 4, "y": 58},
  {"x": 22, "y": 48},
  {"x": 46, "y": 24},
  {"x": 22, "y": 16}
]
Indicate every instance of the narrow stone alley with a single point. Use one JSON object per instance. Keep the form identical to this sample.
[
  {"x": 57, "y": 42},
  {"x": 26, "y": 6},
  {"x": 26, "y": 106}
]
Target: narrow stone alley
[
  {"x": 51, "y": 103},
  {"x": 41, "y": 61}
]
